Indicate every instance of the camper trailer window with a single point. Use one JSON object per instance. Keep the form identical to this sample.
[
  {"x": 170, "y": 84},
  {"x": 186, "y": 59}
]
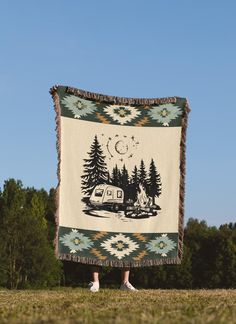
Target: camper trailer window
[
  {"x": 109, "y": 192},
  {"x": 99, "y": 192},
  {"x": 119, "y": 194}
]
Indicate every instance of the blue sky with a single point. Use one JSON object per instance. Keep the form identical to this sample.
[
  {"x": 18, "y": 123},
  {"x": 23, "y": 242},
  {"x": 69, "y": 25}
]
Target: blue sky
[{"x": 132, "y": 48}]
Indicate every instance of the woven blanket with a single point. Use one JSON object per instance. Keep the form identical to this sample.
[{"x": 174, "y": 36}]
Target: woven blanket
[{"x": 121, "y": 172}]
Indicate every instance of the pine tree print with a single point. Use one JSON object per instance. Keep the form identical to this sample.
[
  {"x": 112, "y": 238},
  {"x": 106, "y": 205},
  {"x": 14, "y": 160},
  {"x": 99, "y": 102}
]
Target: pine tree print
[
  {"x": 154, "y": 182},
  {"x": 95, "y": 168},
  {"x": 134, "y": 186},
  {"x": 142, "y": 175},
  {"x": 134, "y": 176},
  {"x": 124, "y": 178},
  {"x": 115, "y": 176}
]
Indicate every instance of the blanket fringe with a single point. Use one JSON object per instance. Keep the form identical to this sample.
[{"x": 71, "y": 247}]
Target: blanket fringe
[
  {"x": 182, "y": 180},
  {"x": 119, "y": 100},
  {"x": 118, "y": 264},
  {"x": 53, "y": 92}
]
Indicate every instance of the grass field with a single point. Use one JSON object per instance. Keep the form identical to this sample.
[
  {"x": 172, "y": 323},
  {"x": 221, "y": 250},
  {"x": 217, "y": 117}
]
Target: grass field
[{"x": 68, "y": 305}]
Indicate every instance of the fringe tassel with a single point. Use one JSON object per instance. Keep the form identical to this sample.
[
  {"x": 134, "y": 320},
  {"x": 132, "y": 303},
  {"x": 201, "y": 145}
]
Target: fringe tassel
[
  {"x": 182, "y": 181},
  {"x": 53, "y": 92},
  {"x": 119, "y": 100},
  {"x": 118, "y": 264}
]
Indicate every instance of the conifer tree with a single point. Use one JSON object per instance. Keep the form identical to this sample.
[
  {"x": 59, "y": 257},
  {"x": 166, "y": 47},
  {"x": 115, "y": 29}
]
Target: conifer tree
[
  {"x": 142, "y": 175},
  {"x": 124, "y": 183},
  {"x": 115, "y": 178},
  {"x": 124, "y": 178},
  {"x": 95, "y": 168},
  {"x": 154, "y": 182},
  {"x": 119, "y": 178},
  {"x": 134, "y": 177},
  {"x": 134, "y": 185}
]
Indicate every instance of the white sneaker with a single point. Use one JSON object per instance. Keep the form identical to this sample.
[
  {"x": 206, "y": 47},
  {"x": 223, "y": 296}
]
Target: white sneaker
[
  {"x": 94, "y": 286},
  {"x": 127, "y": 286}
]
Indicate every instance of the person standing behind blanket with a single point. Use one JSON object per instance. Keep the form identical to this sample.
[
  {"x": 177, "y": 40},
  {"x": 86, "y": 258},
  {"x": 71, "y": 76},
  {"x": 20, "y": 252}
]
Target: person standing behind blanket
[{"x": 125, "y": 284}]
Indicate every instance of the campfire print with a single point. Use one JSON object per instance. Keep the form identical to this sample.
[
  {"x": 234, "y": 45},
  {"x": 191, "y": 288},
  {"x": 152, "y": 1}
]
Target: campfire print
[{"x": 127, "y": 193}]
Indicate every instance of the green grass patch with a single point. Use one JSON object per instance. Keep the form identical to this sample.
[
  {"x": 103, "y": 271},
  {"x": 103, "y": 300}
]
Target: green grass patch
[{"x": 78, "y": 305}]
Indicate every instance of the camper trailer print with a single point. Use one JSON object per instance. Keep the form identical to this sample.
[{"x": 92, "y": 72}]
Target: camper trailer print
[
  {"x": 119, "y": 190},
  {"x": 105, "y": 195}
]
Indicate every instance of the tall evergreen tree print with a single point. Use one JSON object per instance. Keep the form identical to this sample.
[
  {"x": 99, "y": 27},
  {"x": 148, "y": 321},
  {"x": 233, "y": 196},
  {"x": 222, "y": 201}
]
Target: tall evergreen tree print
[
  {"x": 124, "y": 177},
  {"x": 95, "y": 168},
  {"x": 115, "y": 176},
  {"x": 142, "y": 174},
  {"x": 134, "y": 185},
  {"x": 124, "y": 180},
  {"x": 153, "y": 182},
  {"x": 134, "y": 176}
]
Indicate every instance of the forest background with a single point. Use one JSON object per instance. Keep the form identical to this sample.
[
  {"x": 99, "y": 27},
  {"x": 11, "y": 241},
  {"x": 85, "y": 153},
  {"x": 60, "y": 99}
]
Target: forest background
[{"x": 27, "y": 257}]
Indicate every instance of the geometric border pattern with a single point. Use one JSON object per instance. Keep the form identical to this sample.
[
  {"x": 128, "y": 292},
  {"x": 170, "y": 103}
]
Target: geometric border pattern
[
  {"x": 162, "y": 114},
  {"x": 113, "y": 247}
]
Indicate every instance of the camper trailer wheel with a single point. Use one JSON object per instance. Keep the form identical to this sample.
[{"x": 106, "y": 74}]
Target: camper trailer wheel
[{"x": 115, "y": 207}]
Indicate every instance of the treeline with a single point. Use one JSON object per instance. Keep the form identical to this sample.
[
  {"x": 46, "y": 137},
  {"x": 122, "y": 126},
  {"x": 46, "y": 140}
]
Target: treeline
[
  {"x": 27, "y": 255},
  {"x": 26, "y": 236},
  {"x": 209, "y": 260},
  {"x": 151, "y": 180}
]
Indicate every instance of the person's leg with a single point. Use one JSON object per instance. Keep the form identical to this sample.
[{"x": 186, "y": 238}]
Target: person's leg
[
  {"x": 125, "y": 284},
  {"x": 125, "y": 275},
  {"x": 94, "y": 285},
  {"x": 95, "y": 273}
]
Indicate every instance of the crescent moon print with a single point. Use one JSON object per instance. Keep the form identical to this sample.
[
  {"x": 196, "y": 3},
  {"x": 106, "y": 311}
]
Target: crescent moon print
[{"x": 121, "y": 146}]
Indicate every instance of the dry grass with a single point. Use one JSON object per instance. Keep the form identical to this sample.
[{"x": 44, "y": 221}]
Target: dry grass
[{"x": 78, "y": 305}]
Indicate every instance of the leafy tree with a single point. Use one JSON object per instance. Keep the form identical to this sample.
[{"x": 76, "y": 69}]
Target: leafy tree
[
  {"x": 50, "y": 210},
  {"x": 180, "y": 276},
  {"x": 95, "y": 168},
  {"x": 154, "y": 182},
  {"x": 195, "y": 234},
  {"x": 25, "y": 254},
  {"x": 226, "y": 257},
  {"x": 12, "y": 201}
]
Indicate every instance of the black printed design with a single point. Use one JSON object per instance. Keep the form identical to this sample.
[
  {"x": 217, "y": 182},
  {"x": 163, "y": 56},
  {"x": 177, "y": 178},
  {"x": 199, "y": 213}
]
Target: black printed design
[{"x": 126, "y": 193}]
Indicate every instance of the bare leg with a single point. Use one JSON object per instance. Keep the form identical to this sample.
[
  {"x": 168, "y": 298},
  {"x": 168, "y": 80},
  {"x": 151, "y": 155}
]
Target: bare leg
[
  {"x": 125, "y": 275},
  {"x": 125, "y": 284},
  {"x": 95, "y": 273},
  {"x": 94, "y": 285}
]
